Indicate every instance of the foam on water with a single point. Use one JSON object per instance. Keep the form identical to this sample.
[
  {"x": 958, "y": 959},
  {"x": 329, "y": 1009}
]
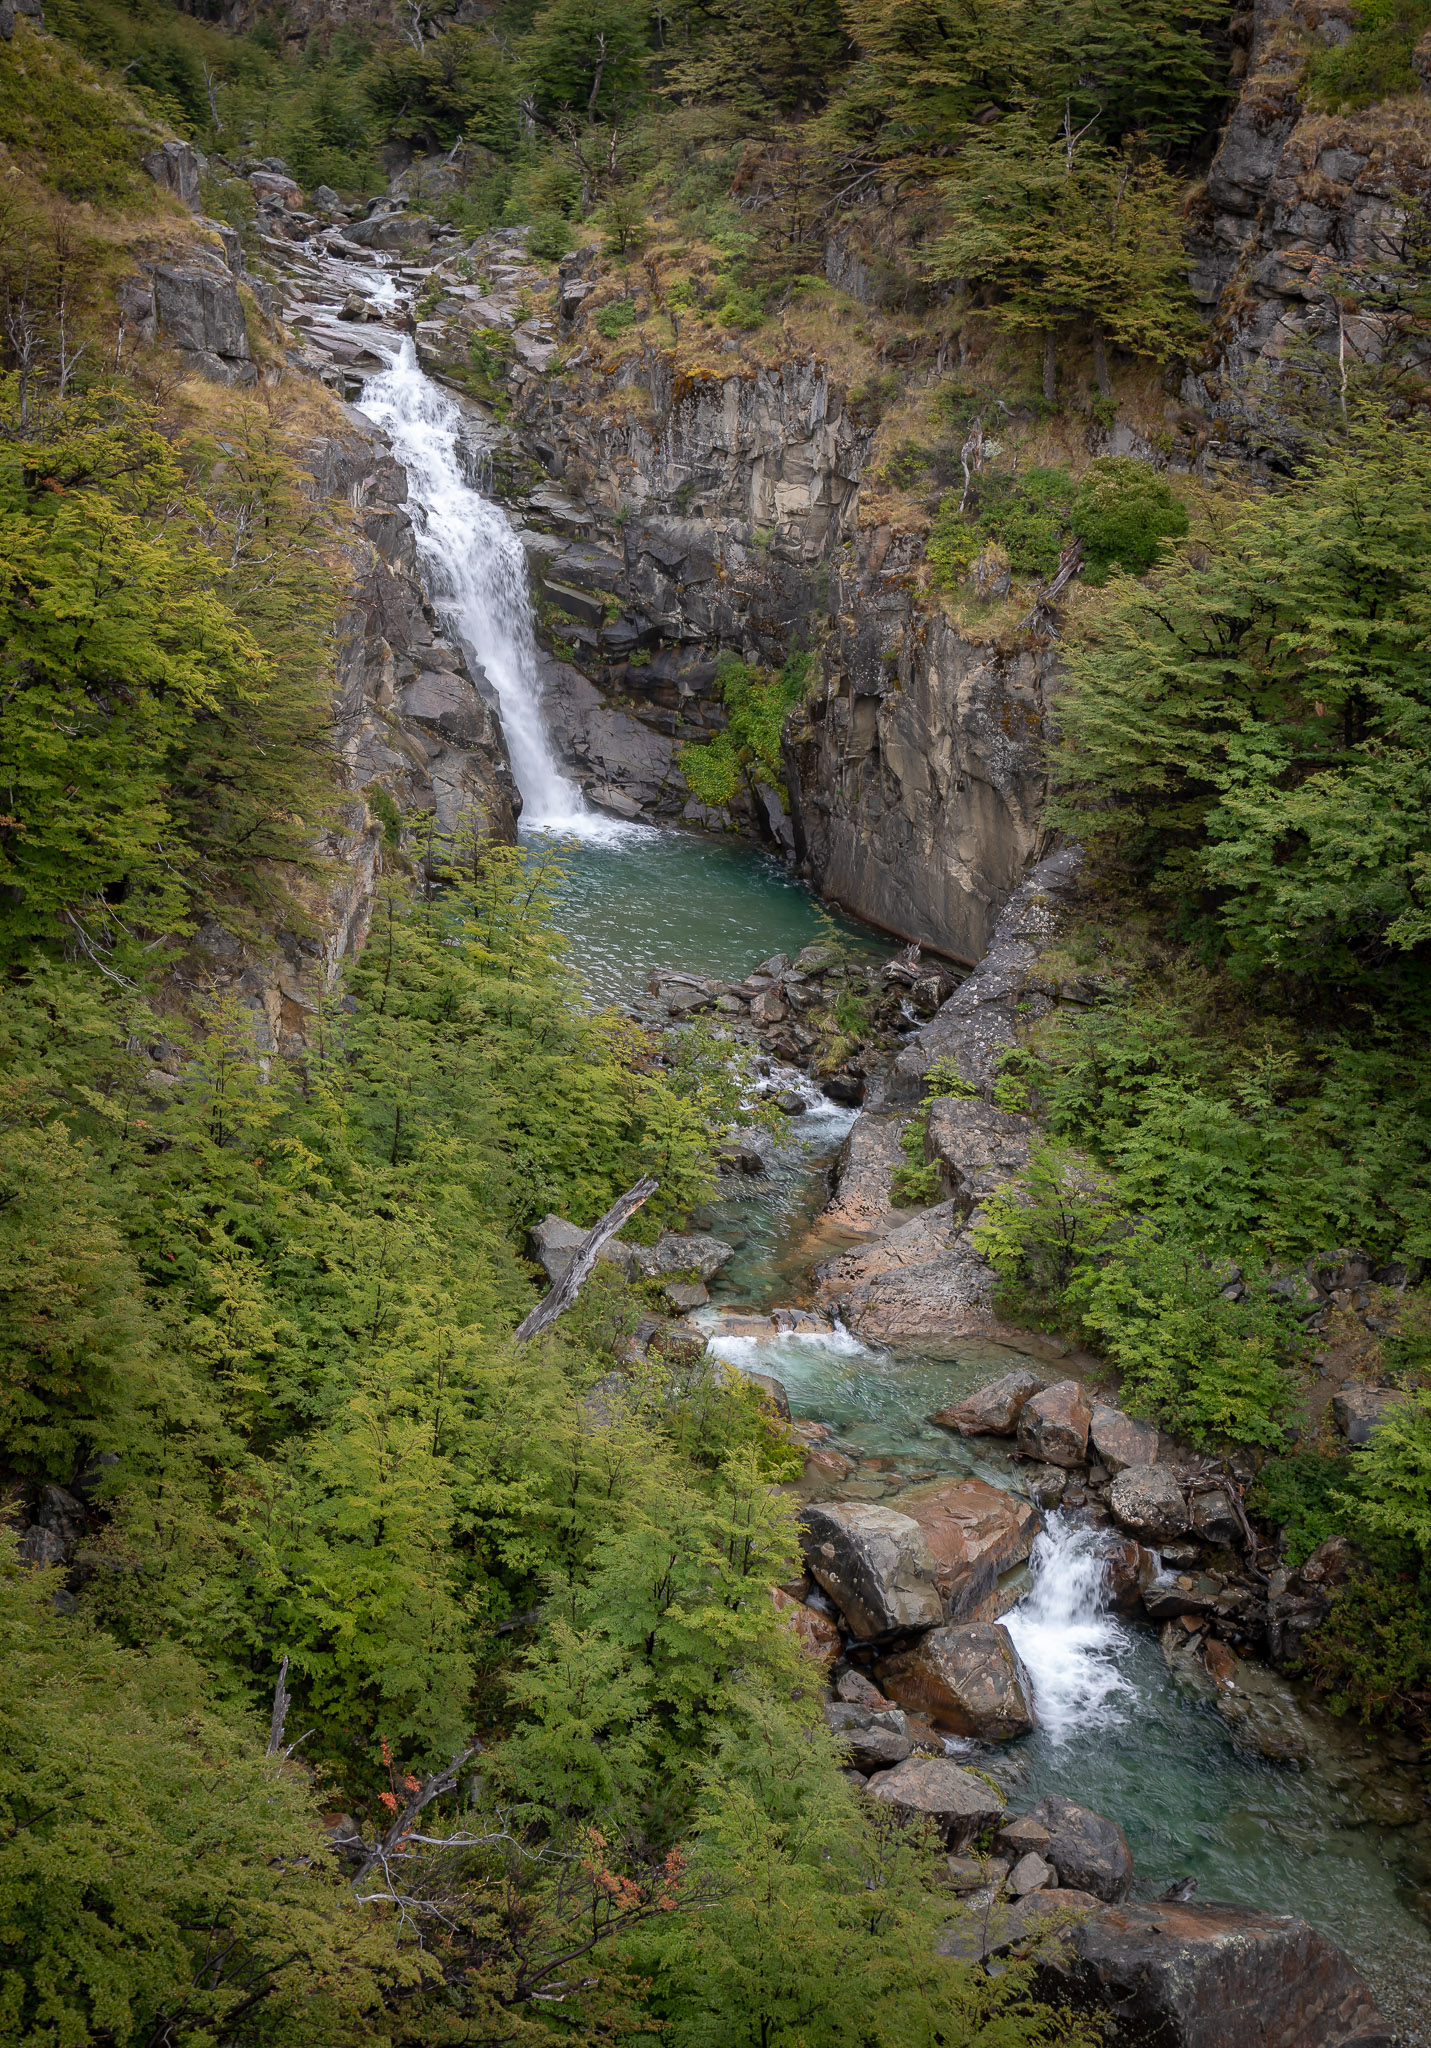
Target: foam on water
[{"x": 1067, "y": 1637}]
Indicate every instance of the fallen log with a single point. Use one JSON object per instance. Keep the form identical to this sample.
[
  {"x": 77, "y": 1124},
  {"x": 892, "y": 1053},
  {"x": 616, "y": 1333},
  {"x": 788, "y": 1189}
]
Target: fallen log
[{"x": 584, "y": 1258}]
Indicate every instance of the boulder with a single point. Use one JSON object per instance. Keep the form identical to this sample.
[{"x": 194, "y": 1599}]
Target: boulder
[
  {"x": 1053, "y": 1426},
  {"x": 816, "y": 1634},
  {"x": 1030, "y": 1874},
  {"x": 1214, "y": 1519},
  {"x": 873, "y": 1742},
  {"x": 1019, "y": 1837},
  {"x": 273, "y": 188},
  {"x": 853, "y": 1686},
  {"x": 175, "y": 166},
  {"x": 1042, "y": 1917},
  {"x": 553, "y": 1243},
  {"x": 975, "y": 1533},
  {"x": 195, "y": 307},
  {"x": 958, "y": 1803},
  {"x": 977, "y": 1147},
  {"x": 1119, "y": 1440},
  {"x": 1089, "y": 1853},
  {"x": 993, "y": 1410},
  {"x": 1148, "y": 1500},
  {"x": 1128, "y": 1571},
  {"x": 1360, "y": 1411},
  {"x": 1190, "y": 1975},
  {"x": 684, "y": 1295},
  {"x": 875, "y": 1565},
  {"x": 969, "y": 1679},
  {"x": 772, "y": 1390},
  {"x": 1046, "y": 1484},
  {"x": 672, "y": 1254},
  {"x": 40, "y": 1547}
]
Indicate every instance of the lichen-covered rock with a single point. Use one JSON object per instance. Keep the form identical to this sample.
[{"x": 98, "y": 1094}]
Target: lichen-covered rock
[
  {"x": 1088, "y": 1851},
  {"x": 1148, "y": 1500},
  {"x": 1360, "y": 1411},
  {"x": 1053, "y": 1425},
  {"x": 976, "y": 1532},
  {"x": 872, "y": 1742},
  {"x": 976, "y": 1146},
  {"x": 1210, "y": 1976},
  {"x": 958, "y": 1803},
  {"x": 554, "y": 1242},
  {"x": 993, "y": 1410},
  {"x": 674, "y": 1253},
  {"x": 967, "y": 1679},
  {"x": 874, "y": 1564}
]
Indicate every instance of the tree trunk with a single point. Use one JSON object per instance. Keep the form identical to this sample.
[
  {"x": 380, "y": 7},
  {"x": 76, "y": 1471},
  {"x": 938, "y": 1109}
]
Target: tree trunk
[
  {"x": 1050, "y": 369},
  {"x": 583, "y": 1260},
  {"x": 1100, "y": 364}
]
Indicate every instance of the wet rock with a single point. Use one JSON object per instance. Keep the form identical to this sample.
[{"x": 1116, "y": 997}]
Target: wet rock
[
  {"x": 1190, "y": 1975},
  {"x": 1053, "y": 1425},
  {"x": 1186, "y": 1594},
  {"x": 1020, "y": 1837},
  {"x": 1119, "y": 1440},
  {"x": 1214, "y": 1519},
  {"x": 847, "y": 1089},
  {"x": 553, "y": 1244},
  {"x": 925, "y": 1279},
  {"x": 1089, "y": 1852},
  {"x": 993, "y": 1410},
  {"x": 957, "y": 1803},
  {"x": 789, "y": 1103},
  {"x": 875, "y": 1565},
  {"x": 824, "y": 1466},
  {"x": 1046, "y": 1484},
  {"x": 1030, "y": 1874},
  {"x": 675, "y": 1254},
  {"x": 1260, "y": 1709},
  {"x": 976, "y": 1532},
  {"x": 869, "y": 1158},
  {"x": 1360, "y": 1411},
  {"x": 816, "y": 1634},
  {"x": 968, "y": 1679},
  {"x": 1128, "y": 1572},
  {"x": 873, "y": 1742},
  {"x": 1148, "y": 1500}
]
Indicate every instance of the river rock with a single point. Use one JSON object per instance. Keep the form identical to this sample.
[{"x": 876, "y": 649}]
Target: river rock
[
  {"x": 553, "y": 1244},
  {"x": 993, "y": 1410},
  {"x": 958, "y": 1803},
  {"x": 1046, "y": 1484},
  {"x": 1210, "y": 1976},
  {"x": 873, "y": 1742},
  {"x": 672, "y": 1254},
  {"x": 1018, "y": 1837},
  {"x": 1119, "y": 1440},
  {"x": 1053, "y": 1425},
  {"x": 853, "y": 1686},
  {"x": 1360, "y": 1411},
  {"x": 1128, "y": 1571},
  {"x": 925, "y": 1279},
  {"x": 816, "y": 1634},
  {"x": 1213, "y": 1518},
  {"x": 1148, "y": 1500},
  {"x": 975, "y": 1533},
  {"x": 1089, "y": 1852},
  {"x": 969, "y": 1680},
  {"x": 1040, "y": 1918},
  {"x": 868, "y": 1161},
  {"x": 1030, "y": 1874},
  {"x": 875, "y": 1565}
]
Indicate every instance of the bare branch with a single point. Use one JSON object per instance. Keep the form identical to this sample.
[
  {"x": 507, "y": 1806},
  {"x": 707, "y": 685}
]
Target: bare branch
[
  {"x": 280, "y": 1710},
  {"x": 584, "y": 1260}
]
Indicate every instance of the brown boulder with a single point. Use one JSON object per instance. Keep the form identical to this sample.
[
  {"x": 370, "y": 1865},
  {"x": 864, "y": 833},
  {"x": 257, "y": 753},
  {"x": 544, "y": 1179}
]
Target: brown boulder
[
  {"x": 1128, "y": 1571},
  {"x": 993, "y": 1410},
  {"x": 1089, "y": 1852},
  {"x": 975, "y": 1532},
  {"x": 815, "y": 1632},
  {"x": 1119, "y": 1440},
  {"x": 1054, "y": 1425},
  {"x": 1210, "y": 1976},
  {"x": 1148, "y": 1500},
  {"x": 969, "y": 1679},
  {"x": 958, "y": 1803},
  {"x": 874, "y": 1564}
]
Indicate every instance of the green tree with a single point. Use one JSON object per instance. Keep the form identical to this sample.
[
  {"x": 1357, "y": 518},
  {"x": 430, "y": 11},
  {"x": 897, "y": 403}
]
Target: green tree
[{"x": 585, "y": 57}]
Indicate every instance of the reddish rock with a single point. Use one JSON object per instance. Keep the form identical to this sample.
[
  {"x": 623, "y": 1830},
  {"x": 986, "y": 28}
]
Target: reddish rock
[
  {"x": 853, "y": 1687},
  {"x": 1054, "y": 1425},
  {"x": 957, "y": 1802},
  {"x": 815, "y": 1632},
  {"x": 975, "y": 1532},
  {"x": 969, "y": 1679},
  {"x": 1128, "y": 1571},
  {"x": 1119, "y": 1440},
  {"x": 993, "y": 1410},
  {"x": 1210, "y": 1976},
  {"x": 821, "y": 1463}
]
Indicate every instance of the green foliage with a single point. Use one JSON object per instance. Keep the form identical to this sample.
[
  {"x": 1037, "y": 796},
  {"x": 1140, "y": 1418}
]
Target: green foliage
[
  {"x": 749, "y": 750},
  {"x": 1123, "y": 513},
  {"x": 1375, "y": 62},
  {"x": 456, "y": 86},
  {"x": 585, "y": 56},
  {"x": 624, "y": 219},
  {"x": 616, "y": 317},
  {"x": 920, "y": 1181},
  {"x": 1301, "y": 1495},
  {"x": 742, "y": 309},
  {"x": 1394, "y": 1475},
  {"x": 549, "y": 236},
  {"x": 1028, "y": 515},
  {"x": 74, "y": 133},
  {"x": 1372, "y": 1656},
  {"x": 158, "y": 1873},
  {"x": 1255, "y": 722}
]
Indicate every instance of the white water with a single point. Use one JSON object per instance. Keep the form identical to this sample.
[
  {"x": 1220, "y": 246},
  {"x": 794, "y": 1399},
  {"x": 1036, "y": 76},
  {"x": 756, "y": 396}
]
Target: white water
[
  {"x": 1067, "y": 1637},
  {"x": 476, "y": 575}
]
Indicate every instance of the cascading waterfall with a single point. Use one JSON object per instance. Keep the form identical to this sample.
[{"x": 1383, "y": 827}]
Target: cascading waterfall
[
  {"x": 1067, "y": 1637},
  {"x": 476, "y": 575}
]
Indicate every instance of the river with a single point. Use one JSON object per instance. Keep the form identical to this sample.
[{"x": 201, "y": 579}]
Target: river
[{"x": 1118, "y": 1731}]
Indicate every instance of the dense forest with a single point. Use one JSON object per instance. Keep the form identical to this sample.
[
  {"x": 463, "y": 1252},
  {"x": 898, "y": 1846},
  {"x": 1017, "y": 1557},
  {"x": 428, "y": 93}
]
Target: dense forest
[{"x": 257, "y": 1313}]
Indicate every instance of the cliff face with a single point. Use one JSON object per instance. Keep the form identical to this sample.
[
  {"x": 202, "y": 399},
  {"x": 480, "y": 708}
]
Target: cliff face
[
  {"x": 917, "y": 776},
  {"x": 1309, "y": 232}
]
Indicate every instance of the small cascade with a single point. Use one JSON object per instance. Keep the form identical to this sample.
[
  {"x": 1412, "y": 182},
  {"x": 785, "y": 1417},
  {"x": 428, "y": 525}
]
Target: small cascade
[
  {"x": 476, "y": 575},
  {"x": 1068, "y": 1638}
]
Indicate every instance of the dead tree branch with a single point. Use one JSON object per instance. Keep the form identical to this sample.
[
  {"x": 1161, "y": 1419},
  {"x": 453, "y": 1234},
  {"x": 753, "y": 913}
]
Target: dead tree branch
[{"x": 584, "y": 1259}]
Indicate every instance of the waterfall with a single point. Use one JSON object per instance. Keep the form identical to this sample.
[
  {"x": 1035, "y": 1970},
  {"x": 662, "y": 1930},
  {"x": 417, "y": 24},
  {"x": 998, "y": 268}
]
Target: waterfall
[
  {"x": 475, "y": 570},
  {"x": 1068, "y": 1639}
]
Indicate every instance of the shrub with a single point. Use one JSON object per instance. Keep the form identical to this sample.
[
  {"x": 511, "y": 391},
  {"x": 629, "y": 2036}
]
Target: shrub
[
  {"x": 1376, "y": 60},
  {"x": 550, "y": 236},
  {"x": 615, "y": 317},
  {"x": 1123, "y": 513},
  {"x": 741, "y": 309},
  {"x": 1301, "y": 1494},
  {"x": 758, "y": 704},
  {"x": 1029, "y": 516}
]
